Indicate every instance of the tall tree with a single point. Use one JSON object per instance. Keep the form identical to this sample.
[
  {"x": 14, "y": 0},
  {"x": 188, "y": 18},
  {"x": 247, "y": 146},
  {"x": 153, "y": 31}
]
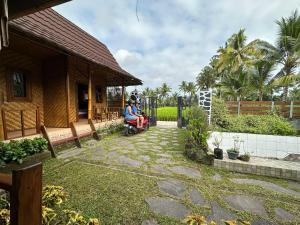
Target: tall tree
[
  {"x": 164, "y": 91},
  {"x": 261, "y": 77},
  {"x": 183, "y": 87},
  {"x": 206, "y": 79},
  {"x": 288, "y": 50}
]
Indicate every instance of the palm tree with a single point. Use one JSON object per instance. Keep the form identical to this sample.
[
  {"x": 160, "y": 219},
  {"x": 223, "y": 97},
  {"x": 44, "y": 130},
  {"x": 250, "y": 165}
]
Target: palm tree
[
  {"x": 191, "y": 89},
  {"x": 261, "y": 77},
  {"x": 237, "y": 85},
  {"x": 236, "y": 53},
  {"x": 183, "y": 87},
  {"x": 206, "y": 79},
  {"x": 164, "y": 91},
  {"x": 288, "y": 50}
]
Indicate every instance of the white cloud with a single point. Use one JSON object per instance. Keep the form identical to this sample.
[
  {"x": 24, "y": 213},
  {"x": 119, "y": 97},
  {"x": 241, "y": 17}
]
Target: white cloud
[{"x": 173, "y": 39}]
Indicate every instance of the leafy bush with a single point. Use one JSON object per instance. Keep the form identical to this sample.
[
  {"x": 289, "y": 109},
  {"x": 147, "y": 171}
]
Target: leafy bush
[
  {"x": 219, "y": 113},
  {"x": 16, "y": 151},
  {"x": 197, "y": 135},
  {"x": 54, "y": 196},
  {"x": 266, "y": 124}
]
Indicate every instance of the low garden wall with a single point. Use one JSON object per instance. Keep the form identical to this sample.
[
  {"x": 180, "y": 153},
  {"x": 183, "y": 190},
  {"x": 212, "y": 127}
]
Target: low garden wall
[{"x": 272, "y": 146}]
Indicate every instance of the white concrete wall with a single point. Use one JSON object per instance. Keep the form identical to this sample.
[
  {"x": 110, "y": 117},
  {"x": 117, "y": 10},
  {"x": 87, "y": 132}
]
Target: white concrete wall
[{"x": 260, "y": 145}]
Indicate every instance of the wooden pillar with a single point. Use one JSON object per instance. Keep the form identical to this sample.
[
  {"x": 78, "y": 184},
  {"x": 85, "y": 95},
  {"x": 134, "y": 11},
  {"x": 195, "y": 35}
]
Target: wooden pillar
[
  {"x": 68, "y": 93},
  {"x": 90, "y": 96},
  {"x": 123, "y": 96}
]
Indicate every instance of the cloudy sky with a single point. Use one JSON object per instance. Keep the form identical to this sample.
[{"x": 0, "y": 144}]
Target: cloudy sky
[{"x": 171, "y": 40}]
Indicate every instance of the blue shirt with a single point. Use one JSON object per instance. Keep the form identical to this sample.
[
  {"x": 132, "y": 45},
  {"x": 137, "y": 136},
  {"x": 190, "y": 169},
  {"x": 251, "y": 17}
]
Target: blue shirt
[{"x": 134, "y": 109}]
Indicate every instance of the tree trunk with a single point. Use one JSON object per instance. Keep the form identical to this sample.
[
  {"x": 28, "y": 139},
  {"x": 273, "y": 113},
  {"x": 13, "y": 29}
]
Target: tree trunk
[
  {"x": 260, "y": 96},
  {"x": 285, "y": 93}
]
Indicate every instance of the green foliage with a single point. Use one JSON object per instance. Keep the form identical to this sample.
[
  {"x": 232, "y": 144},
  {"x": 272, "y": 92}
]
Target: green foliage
[
  {"x": 16, "y": 151},
  {"x": 54, "y": 196},
  {"x": 197, "y": 135},
  {"x": 266, "y": 124},
  {"x": 219, "y": 113},
  {"x": 111, "y": 128}
]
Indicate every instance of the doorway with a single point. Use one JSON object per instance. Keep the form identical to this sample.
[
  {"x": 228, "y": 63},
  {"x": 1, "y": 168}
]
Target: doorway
[{"x": 82, "y": 92}]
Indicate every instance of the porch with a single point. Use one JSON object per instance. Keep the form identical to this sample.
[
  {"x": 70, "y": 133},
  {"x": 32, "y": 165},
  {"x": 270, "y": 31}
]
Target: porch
[
  {"x": 27, "y": 124},
  {"x": 82, "y": 127}
]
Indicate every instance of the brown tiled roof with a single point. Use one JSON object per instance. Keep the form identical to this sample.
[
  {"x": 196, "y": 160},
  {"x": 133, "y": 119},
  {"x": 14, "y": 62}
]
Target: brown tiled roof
[{"x": 50, "y": 26}]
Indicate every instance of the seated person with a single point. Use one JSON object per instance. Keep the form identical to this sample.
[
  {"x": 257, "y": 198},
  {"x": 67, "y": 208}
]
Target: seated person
[
  {"x": 129, "y": 115},
  {"x": 137, "y": 111}
]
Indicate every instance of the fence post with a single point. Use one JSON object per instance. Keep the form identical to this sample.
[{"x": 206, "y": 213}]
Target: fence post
[
  {"x": 179, "y": 112},
  {"x": 26, "y": 196},
  {"x": 291, "y": 109},
  {"x": 239, "y": 108}
]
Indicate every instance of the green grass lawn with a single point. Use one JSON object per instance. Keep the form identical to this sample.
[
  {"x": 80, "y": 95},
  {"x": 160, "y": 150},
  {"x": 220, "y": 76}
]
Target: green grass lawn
[{"x": 99, "y": 185}]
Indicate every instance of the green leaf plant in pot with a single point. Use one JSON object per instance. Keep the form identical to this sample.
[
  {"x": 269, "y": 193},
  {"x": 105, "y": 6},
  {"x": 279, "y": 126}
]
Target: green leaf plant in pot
[
  {"x": 233, "y": 153},
  {"x": 218, "y": 152}
]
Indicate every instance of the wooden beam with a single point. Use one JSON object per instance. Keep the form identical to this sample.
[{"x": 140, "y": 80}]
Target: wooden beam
[
  {"x": 47, "y": 137},
  {"x": 75, "y": 135},
  {"x": 90, "y": 96},
  {"x": 4, "y": 124},
  {"x": 94, "y": 131}
]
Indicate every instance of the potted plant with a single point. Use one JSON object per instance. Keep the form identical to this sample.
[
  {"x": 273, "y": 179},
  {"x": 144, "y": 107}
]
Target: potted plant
[
  {"x": 218, "y": 152},
  {"x": 245, "y": 157},
  {"x": 233, "y": 153}
]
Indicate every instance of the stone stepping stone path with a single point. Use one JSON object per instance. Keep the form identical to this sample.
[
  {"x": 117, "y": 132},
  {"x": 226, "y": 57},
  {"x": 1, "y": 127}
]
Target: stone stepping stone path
[
  {"x": 145, "y": 158},
  {"x": 168, "y": 207},
  {"x": 217, "y": 177},
  {"x": 70, "y": 153},
  {"x": 267, "y": 185},
  {"x": 283, "y": 215},
  {"x": 220, "y": 214},
  {"x": 160, "y": 169},
  {"x": 261, "y": 222},
  {"x": 187, "y": 171},
  {"x": 294, "y": 184},
  {"x": 198, "y": 199},
  {"x": 149, "y": 222},
  {"x": 164, "y": 161},
  {"x": 246, "y": 203},
  {"x": 129, "y": 162},
  {"x": 172, "y": 187}
]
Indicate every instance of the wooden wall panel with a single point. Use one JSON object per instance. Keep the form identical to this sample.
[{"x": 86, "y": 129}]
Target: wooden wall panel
[
  {"x": 78, "y": 72},
  {"x": 12, "y": 59},
  {"x": 55, "y": 101}
]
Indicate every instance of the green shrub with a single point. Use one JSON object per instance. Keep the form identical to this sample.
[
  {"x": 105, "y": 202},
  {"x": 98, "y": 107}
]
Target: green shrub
[
  {"x": 219, "y": 113},
  {"x": 266, "y": 124},
  {"x": 197, "y": 135},
  {"x": 16, "y": 151}
]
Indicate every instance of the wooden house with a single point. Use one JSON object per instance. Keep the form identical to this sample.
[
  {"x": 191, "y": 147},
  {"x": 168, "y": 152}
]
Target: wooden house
[{"x": 53, "y": 73}]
